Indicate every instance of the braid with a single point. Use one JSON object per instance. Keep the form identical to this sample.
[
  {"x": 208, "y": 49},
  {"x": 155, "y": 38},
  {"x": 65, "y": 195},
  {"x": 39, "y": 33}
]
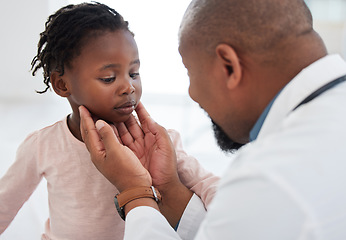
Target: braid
[{"x": 67, "y": 30}]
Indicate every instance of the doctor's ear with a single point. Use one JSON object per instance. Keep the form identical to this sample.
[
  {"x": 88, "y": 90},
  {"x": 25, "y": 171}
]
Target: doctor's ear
[
  {"x": 230, "y": 64},
  {"x": 59, "y": 84}
]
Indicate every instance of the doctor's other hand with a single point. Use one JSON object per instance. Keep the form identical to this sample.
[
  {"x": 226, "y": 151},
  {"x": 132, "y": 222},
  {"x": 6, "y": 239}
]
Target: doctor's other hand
[
  {"x": 115, "y": 161},
  {"x": 152, "y": 145}
]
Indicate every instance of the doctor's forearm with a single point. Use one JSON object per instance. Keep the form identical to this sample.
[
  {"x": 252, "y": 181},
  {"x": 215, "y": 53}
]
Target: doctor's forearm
[{"x": 174, "y": 201}]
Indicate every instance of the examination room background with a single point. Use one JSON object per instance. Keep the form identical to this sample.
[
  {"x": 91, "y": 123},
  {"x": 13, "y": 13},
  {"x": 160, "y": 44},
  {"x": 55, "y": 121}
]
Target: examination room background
[{"x": 165, "y": 83}]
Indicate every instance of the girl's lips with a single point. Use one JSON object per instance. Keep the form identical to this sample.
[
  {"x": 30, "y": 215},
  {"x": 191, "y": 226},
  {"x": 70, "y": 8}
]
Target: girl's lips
[{"x": 126, "y": 108}]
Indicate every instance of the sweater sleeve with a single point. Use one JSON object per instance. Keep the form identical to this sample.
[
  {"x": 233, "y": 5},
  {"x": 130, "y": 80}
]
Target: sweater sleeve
[
  {"x": 19, "y": 182},
  {"x": 191, "y": 173}
]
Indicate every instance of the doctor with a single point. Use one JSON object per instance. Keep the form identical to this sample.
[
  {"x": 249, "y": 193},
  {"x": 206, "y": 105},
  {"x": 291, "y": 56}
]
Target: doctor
[{"x": 264, "y": 76}]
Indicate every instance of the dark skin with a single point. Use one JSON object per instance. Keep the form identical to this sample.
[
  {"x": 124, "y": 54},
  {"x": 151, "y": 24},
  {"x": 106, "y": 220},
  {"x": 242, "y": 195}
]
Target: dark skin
[
  {"x": 250, "y": 86},
  {"x": 145, "y": 156},
  {"x": 108, "y": 153},
  {"x": 233, "y": 85},
  {"x": 104, "y": 78}
]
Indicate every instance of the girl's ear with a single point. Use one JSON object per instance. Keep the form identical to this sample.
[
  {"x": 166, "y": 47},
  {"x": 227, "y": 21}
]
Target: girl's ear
[
  {"x": 59, "y": 84},
  {"x": 230, "y": 64}
]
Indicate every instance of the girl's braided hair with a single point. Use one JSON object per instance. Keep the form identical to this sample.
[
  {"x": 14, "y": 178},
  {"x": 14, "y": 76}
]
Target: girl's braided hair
[{"x": 67, "y": 30}]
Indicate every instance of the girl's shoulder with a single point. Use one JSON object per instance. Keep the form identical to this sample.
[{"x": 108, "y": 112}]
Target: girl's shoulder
[{"x": 46, "y": 134}]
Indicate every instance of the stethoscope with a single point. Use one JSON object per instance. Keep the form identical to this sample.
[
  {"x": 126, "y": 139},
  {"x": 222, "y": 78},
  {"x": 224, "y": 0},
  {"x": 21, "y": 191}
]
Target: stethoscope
[{"x": 321, "y": 90}]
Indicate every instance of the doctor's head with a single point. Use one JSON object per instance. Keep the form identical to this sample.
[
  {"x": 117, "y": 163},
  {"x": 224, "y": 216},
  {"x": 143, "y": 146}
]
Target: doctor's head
[{"x": 240, "y": 53}]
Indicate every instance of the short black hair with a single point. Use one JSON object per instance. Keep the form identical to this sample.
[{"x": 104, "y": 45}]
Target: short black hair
[
  {"x": 67, "y": 30},
  {"x": 246, "y": 25}
]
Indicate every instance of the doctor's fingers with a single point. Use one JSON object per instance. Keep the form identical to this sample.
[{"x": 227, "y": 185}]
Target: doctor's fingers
[
  {"x": 143, "y": 116},
  {"x": 89, "y": 132},
  {"x": 115, "y": 130},
  {"x": 130, "y": 131}
]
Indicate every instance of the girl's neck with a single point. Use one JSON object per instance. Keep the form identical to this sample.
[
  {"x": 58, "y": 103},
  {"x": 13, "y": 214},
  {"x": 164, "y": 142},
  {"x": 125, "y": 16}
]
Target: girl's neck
[{"x": 73, "y": 123}]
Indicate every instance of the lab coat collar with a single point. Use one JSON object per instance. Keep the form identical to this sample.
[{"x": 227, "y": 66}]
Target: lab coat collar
[{"x": 308, "y": 80}]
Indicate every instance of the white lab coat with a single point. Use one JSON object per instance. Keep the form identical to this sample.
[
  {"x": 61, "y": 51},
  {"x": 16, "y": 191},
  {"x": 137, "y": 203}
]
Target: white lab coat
[{"x": 290, "y": 183}]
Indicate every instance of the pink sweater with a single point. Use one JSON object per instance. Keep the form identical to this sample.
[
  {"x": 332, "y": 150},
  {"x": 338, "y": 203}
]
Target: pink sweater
[{"x": 80, "y": 198}]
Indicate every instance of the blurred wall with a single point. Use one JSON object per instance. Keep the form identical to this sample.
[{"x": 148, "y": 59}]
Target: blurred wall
[
  {"x": 330, "y": 22},
  {"x": 21, "y": 21},
  {"x": 334, "y": 35}
]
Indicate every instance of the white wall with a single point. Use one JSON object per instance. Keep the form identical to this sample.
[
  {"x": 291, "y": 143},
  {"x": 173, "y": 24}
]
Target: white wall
[
  {"x": 20, "y": 25},
  {"x": 330, "y": 22},
  {"x": 21, "y": 110},
  {"x": 334, "y": 35},
  {"x": 21, "y": 21}
]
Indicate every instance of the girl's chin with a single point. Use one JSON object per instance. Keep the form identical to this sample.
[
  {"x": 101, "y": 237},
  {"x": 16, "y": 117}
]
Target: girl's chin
[{"x": 119, "y": 119}]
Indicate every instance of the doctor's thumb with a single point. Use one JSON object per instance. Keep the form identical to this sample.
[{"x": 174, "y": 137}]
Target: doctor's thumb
[{"x": 107, "y": 134}]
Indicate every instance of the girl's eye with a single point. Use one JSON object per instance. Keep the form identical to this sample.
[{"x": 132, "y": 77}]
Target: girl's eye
[
  {"x": 108, "y": 80},
  {"x": 134, "y": 75}
]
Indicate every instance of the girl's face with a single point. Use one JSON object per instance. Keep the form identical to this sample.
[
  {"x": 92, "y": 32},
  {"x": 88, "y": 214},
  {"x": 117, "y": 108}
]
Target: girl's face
[{"x": 105, "y": 76}]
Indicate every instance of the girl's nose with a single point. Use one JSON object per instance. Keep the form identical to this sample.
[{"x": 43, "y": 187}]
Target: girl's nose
[{"x": 127, "y": 87}]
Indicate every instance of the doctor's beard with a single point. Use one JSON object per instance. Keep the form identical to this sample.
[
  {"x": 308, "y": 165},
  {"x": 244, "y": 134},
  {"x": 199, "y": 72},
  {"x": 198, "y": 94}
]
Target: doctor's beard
[{"x": 223, "y": 141}]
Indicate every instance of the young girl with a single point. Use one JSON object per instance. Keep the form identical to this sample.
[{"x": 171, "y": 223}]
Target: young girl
[{"x": 89, "y": 56}]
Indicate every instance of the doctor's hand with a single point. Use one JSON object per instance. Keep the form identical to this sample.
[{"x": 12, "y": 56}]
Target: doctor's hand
[
  {"x": 148, "y": 142},
  {"x": 153, "y": 146},
  {"x": 114, "y": 160}
]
